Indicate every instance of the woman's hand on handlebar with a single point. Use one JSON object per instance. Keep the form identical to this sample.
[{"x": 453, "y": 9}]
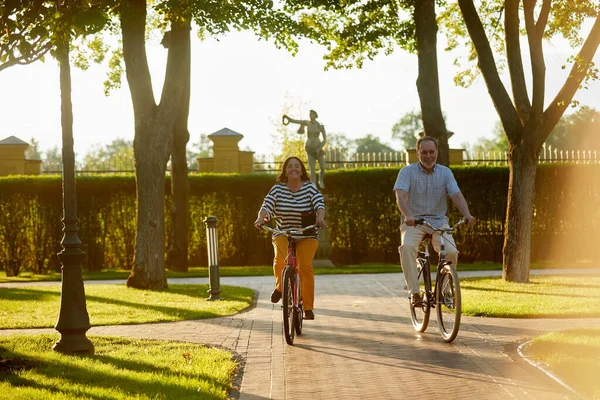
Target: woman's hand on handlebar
[{"x": 320, "y": 222}]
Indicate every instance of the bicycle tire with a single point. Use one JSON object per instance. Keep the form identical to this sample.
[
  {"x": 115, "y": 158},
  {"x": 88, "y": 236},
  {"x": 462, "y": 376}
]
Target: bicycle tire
[
  {"x": 288, "y": 305},
  {"x": 298, "y": 311},
  {"x": 448, "y": 303},
  {"x": 420, "y": 315}
]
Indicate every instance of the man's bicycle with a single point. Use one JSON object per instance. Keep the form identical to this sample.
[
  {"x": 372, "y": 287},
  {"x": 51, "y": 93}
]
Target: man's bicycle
[
  {"x": 293, "y": 313},
  {"x": 445, "y": 297}
]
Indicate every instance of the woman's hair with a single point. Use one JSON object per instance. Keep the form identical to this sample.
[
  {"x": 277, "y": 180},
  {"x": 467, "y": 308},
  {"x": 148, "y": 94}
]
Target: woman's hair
[
  {"x": 282, "y": 176},
  {"x": 313, "y": 111}
]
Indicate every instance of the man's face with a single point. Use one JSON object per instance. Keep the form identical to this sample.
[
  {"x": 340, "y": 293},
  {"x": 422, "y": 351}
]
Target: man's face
[{"x": 427, "y": 154}]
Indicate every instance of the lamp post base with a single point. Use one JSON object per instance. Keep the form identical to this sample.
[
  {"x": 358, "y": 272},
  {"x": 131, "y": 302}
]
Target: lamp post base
[{"x": 74, "y": 343}]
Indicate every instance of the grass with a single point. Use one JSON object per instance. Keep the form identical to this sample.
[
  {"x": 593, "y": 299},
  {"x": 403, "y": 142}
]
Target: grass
[
  {"x": 38, "y": 306},
  {"x": 543, "y": 296},
  {"x": 266, "y": 270},
  {"x": 572, "y": 355},
  {"x": 120, "y": 369}
]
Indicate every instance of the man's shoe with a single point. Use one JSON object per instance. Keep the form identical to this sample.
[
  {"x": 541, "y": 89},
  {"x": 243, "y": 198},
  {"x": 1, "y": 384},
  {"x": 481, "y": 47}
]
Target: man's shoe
[
  {"x": 416, "y": 300},
  {"x": 275, "y": 296},
  {"x": 309, "y": 314}
]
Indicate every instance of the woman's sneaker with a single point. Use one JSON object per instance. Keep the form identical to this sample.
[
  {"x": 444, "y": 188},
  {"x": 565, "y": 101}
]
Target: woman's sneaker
[
  {"x": 275, "y": 296},
  {"x": 309, "y": 314}
]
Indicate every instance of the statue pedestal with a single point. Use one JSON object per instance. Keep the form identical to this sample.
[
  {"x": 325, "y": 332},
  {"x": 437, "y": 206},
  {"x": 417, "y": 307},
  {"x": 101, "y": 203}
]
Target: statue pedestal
[{"x": 324, "y": 250}]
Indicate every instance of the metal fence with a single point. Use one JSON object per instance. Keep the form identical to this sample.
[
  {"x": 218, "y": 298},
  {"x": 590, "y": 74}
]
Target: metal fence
[{"x": 339, "y": 159}]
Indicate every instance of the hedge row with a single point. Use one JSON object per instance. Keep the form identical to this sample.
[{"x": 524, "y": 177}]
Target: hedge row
[{"x": 361, "y": 208}]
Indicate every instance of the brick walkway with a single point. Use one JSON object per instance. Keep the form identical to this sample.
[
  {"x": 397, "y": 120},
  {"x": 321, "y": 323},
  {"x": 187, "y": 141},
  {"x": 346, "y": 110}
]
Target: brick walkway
[{"x": 362, "y": 345}]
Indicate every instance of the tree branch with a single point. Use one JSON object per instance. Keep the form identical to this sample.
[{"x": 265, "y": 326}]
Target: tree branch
[
  {"x": 515, "y": 62},
  {"x": 133, "y": 25},
  {"x": 538, "y": 66},
  {"x": 540, "y": 25},
  {"x": 502, "y": 102},
  {"x": 578, "y": 72}
]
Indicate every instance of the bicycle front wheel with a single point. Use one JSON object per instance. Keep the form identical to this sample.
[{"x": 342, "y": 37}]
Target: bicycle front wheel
[
  {"x": 298, "y": 310},
  {"x": 288, "y": 305},
  {"x": 420, "y": 315},
  {"x": 448, "y": 302}
]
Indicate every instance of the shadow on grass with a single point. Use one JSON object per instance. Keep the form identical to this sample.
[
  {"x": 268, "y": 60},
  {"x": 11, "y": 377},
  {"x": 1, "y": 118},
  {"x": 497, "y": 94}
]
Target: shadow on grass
[
  {"x": 193, "y": 294},
  {"x": 67, "y": 375}
]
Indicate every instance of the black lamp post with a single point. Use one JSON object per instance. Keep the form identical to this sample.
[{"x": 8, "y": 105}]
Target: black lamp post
[
  {"x": 212, "y": 245},
  {"x": 73, "y": 320}
]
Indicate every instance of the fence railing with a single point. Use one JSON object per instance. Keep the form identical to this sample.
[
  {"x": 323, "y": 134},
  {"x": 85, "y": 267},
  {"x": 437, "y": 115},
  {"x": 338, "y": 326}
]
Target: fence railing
[{"x": 339, "y": 159}]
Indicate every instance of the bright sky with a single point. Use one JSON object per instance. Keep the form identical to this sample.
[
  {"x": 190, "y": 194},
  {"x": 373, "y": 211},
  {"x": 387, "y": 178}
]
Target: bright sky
[{"x": 241, "y": 83}]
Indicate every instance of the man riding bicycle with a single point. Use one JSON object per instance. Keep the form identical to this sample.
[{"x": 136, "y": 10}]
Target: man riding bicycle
[{"x": 421, "y": 189}]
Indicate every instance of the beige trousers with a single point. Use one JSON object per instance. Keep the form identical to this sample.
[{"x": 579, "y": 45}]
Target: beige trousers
[{"x": 411, "y": 237}]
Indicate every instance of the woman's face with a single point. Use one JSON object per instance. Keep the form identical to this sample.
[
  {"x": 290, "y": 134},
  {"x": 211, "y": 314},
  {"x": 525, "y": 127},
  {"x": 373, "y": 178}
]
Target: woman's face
[{"x": 293, "y": 169}]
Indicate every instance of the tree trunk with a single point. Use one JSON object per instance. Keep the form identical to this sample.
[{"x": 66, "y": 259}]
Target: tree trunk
[
  {"x": 519, "y": 215},
  {"x": 148, "y": 269},
  {"x": 153, "y": 140},
  {"x": 177, "y": 255},
  {"x": 428, "y": 84}
]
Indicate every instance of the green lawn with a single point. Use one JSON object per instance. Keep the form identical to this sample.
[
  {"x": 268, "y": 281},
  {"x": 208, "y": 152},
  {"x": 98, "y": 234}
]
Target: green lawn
[
  {"x": 266, "y": 270},
  {"x": 38, "y": 306},
  {"x": 120, "y": 369},
  {"x": 543, "y": 296},
  {"x": 573, "y": 356}
]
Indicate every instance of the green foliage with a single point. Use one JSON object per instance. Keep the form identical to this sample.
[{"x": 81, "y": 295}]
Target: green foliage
[
  {"x": 115, "y": 156},
  {"x": 357, "y": 30},
  {"x": 407, "y": 128},
  {"x": 371, "y": 144},
  {"x": 362, "y": 214}
]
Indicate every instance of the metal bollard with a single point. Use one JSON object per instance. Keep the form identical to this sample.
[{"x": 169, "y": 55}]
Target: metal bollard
[{"x": 212, "y": 245}]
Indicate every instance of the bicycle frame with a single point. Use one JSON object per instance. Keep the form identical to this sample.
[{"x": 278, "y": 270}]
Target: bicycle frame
[
  {"x": 445, "y": 297},
  {"x": 292, "y": 318}
]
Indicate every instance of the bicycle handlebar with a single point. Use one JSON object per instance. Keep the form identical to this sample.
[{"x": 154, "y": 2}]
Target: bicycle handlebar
[
  {"x": 290, "y": 232},
  {"x": 421, "y": 221}
]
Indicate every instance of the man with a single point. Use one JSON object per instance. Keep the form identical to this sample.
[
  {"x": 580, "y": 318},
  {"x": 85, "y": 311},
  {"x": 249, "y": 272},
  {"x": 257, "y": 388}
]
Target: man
[{"x": 421, "y": 189}]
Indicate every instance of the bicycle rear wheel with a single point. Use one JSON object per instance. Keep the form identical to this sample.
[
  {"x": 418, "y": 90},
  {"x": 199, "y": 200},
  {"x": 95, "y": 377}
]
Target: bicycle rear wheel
[
  {"x": 289, "y": 317},
  {"x": 420, "y": 315},
  {"x": 448, "y": 302}
]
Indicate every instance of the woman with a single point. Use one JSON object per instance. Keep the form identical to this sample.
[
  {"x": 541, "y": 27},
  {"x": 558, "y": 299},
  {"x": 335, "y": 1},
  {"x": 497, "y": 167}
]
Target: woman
[
  {"x": 314, "y": 145},
  {"x": 292, "y": 196}
]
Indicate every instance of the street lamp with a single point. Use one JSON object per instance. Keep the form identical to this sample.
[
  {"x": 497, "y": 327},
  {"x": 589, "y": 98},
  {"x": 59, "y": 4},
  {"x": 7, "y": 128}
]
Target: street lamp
[
  {"x": 73, "y": 319},
  {"x": 212, "y": 246}
]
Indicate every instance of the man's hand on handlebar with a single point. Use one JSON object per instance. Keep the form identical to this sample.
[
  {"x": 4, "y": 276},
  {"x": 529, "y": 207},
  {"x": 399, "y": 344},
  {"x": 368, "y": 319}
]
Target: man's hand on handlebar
[
  {"x": 470, "y": 220},
  {"x": 410, "y": 221}
]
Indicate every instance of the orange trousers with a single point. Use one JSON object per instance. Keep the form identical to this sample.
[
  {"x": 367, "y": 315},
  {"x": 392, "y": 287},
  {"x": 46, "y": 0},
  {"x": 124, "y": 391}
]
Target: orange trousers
[{"x": 305, "y": 253}]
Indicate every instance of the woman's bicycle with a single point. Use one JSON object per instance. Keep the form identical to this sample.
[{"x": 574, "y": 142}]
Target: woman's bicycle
[
  {"x": 445, "y": 297},
  {"x": 293, "y": 313}
]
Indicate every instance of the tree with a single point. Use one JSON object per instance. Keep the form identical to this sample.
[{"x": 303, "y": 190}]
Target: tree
[
  {"x": 577, "y": 131},
  {"x": 33, "y": 152},
  {"x": 371, "y": 144},
  {"x": 498, "y": 143},
  {"x": 362, "y": 29},
  {"x": 200, "y": 149},
  {"x": 155, "y": 123},
  {"x": 525, "y": 121},
  {"x": 407, "y": 128},
  {"x": 115, "y": 156}
]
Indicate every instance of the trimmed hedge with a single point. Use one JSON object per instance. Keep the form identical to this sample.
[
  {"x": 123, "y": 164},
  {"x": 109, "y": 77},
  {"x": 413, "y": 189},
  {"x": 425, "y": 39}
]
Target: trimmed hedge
[{"x": 361, "y": 208}]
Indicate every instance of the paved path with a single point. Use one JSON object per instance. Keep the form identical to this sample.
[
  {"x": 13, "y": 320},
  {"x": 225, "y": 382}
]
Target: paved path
[{"x": 362, "y": 346}]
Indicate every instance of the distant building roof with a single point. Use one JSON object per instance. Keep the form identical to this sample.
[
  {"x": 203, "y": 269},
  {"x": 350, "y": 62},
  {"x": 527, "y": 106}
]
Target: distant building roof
[
  {"x": 13, "y": 140},
  {"x": 225, "y": 132}
]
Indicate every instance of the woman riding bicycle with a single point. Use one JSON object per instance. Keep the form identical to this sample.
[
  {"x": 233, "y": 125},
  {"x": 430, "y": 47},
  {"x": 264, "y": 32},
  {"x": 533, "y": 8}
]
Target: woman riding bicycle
[{"x": 292, "y": 202}]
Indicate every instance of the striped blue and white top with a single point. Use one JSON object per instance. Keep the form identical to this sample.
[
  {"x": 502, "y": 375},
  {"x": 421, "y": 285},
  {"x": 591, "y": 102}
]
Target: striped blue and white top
[{"x": 287, "y": 207}]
